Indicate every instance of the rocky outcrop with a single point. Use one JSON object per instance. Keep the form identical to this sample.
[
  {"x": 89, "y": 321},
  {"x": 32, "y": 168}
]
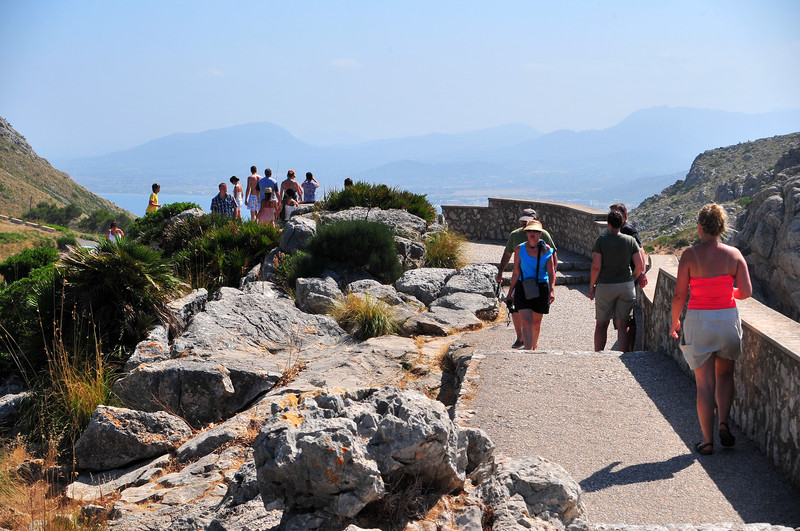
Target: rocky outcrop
[
  {"x": 769, "y": 237},
  {"x": 117, "y": 437}
]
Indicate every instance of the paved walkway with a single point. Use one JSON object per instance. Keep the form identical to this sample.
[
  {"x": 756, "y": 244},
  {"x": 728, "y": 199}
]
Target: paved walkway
[{"x": 623, "y": 425}]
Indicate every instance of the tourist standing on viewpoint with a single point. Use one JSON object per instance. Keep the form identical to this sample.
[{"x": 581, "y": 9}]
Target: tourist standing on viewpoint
[
  {"x": 611, "y": 284},
  {"x": 712, "y": 330},
  {"x": 152, "y": 204},
  {"x": 267, "y": 183},
  {"x": 269, "y": 209},
  {"x": 516, "y": 237},
  {"x": 290, "y": 183},
  {"x": 238, "y": 197},
  {"x": 251, "y": 195},
  {"x": 630, "y": 230},
  {"x": 223, "y": 203},
  {"x": 288, "y": 204},
  {"x": 310, "y": 186},
  {"x": 533, "y": 269}
]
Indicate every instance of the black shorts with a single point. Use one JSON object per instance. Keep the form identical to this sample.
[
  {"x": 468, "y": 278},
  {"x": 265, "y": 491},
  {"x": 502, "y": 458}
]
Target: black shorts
[{"x": 540, "y": 304}]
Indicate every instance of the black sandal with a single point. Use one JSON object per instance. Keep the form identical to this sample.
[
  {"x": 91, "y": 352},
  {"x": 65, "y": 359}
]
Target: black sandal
[
  {"x": 726, "y": 438},
  {"x": 704, "y": 448}
]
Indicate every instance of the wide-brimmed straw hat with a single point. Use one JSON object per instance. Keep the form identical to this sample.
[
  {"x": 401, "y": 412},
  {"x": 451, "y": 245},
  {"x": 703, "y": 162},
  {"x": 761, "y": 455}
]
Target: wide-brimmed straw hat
[{"x": 533, "y": 225}]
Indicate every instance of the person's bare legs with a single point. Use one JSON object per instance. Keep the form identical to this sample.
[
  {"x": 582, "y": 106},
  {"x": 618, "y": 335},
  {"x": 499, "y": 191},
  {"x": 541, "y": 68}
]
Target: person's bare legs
[
  {"x": 537, "y": 326},
  {"x": 515, "y": 318},
  {"x": 622, "y": 335},
  {"x": 600, "y": 335},
  {"x": 723, "y": 370},
  {"x": 705, "y": 377},
  {"x": 526, "y": 323}
]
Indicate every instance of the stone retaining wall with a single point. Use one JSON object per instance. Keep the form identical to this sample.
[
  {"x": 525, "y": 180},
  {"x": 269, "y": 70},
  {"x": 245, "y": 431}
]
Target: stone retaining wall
[
  {"x": 767, "y": 376},
  {"x": 573, "y": 227}
]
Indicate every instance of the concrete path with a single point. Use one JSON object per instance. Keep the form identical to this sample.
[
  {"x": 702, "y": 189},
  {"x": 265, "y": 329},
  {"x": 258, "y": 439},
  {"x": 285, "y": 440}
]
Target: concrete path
[{"x": 623, "y": 425}]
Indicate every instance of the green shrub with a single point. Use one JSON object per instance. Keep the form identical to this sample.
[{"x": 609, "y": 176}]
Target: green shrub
[
  {"x": 222, "y": 256},
  {"x": 445, "y": 249},
  {"x": 50, "y": 213},
  {"x": 122, "y": 287},
  {"x": 289, "y": 267},
  {"x": 354, "y": 244},
  {"x": 150, "y": 227},
  {"x": 369, "y": 195},
  {"x": 177, "y": 237},
  {"x": 100, "y": 220},
  {"x": 11, "y": 237},
  {"x": 66, "y": 239},
  {"x": 20, "y": 265},
  {"x": 744, "y": 201},
  {"x": 364, "y": 318}
]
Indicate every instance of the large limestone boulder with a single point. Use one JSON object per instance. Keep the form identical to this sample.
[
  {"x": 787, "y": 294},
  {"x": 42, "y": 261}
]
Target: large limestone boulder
[
  {"x": 533, "y": 493},
  {"x": 404, "y": 224},
  {"x": 474, "y": 278},
  {"x": 316, "y": 295},
  {"x": 296, "y": 233},
  {"x": 424, "y": 284},
  {"x": 117, "y": 437},
  {"x": 331, "y": 454}
]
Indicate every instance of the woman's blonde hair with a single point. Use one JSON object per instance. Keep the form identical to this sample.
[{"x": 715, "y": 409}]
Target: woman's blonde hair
[{"x": 712, "y": 219}]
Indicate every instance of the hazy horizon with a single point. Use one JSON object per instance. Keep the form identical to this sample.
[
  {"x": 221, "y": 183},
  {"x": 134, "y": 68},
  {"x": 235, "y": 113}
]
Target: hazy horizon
[{"x": 86, "y": 79}]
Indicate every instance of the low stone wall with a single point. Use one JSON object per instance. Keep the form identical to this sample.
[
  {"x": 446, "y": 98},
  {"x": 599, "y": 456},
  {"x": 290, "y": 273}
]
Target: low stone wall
[
  {"x": 767, "y": 376},
  {"x": 573, "y": 227}
]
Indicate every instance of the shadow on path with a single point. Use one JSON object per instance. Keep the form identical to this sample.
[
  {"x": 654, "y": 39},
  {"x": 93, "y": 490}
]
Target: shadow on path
[{"x": 750, "y": 483}]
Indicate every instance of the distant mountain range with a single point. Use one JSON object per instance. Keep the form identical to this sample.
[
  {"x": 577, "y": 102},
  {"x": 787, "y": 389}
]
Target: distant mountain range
[{"x": 628, "y": 162}]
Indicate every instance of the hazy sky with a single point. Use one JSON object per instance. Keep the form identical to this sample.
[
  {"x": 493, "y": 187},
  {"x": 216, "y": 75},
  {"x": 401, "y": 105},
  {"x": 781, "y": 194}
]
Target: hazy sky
[{"x": 88, "y": 77}]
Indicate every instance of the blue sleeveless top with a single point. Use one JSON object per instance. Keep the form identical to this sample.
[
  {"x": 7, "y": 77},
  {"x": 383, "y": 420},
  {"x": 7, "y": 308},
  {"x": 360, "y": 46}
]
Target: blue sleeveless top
[{"x": 528, "y": 263}]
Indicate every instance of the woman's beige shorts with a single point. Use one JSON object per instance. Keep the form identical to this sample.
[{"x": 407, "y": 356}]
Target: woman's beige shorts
[{"x": 707, "y": 332}]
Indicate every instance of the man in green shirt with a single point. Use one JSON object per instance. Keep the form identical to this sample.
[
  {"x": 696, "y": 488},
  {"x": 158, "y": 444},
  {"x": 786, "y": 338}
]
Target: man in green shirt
[
  {"x": 517, "y": 237},
  {"x": 611, "y": 284}
]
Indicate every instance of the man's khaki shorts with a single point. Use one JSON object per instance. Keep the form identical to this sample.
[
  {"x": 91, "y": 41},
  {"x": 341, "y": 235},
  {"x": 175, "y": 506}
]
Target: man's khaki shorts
[{"x": 614, "y": 301}]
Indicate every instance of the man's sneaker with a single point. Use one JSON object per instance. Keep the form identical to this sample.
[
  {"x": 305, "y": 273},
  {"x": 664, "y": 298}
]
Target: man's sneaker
[{"x": 517, "y": 344}]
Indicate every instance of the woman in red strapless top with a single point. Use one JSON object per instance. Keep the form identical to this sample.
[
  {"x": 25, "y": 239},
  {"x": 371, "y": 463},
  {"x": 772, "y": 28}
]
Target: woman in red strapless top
[{"x": 712, "y": 330}]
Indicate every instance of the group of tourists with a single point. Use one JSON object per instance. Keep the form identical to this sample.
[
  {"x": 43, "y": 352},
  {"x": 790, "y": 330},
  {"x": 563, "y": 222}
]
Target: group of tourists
[
  {"x": 711, "y": 274},
  {"x": 263, "y": 198}
]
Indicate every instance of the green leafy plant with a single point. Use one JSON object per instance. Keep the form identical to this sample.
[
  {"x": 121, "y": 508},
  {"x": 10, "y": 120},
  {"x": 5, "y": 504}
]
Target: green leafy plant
[
  {"x": 445, "y": 249},
  {"x": 366, "y": 317},
  {"x": 150, "y": 227},
  {"x": 20, "y": 265},
  {"x": 50, "y": 213},
  {"x": 125, "y": 285},
  {"x": 369, "y": 195},
  {"x": 354, "y": 244},
  {"x": 222, "y": 256},
  {"x": 66, "y": 239}
]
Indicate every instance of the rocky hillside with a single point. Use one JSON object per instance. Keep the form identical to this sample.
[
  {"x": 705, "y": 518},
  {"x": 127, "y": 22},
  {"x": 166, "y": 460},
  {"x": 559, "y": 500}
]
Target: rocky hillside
[
  {"x": 26, "y": 179},
  {"x": 730, "y": 176}
]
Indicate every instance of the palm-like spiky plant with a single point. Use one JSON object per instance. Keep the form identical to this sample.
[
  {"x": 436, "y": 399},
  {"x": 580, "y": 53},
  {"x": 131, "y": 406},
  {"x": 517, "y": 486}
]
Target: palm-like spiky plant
[{"x": 121, "y": 286}]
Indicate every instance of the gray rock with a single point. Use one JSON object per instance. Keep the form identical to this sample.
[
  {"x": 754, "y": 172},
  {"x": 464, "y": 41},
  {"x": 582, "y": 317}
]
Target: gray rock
[
  {"x": 441, "y": 321},
  {"x": 377, "y": 290},
  {"x": 91, "y": 487},
  {"x": 424, "y": 284},
  {"x": 296, "y": 233},
  {"x": 333, "y": 452},
  {"x": 411, "y": 252},
  {"x": 404, "y": 224},
  {"x": 9, "y": 409},
  {"x": 482, "y": 307},
  {"x": 155, "y": 347},
  {"x": 117, "y": 437},
  {"x": 533, "y": 486},
  {"x": 199, "y": 390},
  {"x": 474, "y": 278},
  {"x": 316, "y": 295},
  {"x": 187, "y": 307}
]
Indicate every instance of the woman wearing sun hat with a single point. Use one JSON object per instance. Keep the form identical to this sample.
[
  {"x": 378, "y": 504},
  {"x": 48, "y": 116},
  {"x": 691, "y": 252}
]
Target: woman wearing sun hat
[{"x": 533, "y": 259}]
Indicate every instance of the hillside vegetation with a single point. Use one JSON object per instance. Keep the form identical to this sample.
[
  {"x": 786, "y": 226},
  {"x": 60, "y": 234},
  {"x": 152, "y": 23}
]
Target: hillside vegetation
[
  {"x": 27, "y": 179},
  {"x": 729, "y": 176}
]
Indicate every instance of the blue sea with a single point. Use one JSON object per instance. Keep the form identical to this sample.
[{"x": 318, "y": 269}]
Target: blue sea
[{"x": 137, "y": 203}]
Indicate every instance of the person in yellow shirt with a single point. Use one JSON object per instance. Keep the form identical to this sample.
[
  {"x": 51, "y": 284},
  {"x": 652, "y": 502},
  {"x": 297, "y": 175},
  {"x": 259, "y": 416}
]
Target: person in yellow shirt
[{"x": 153, "y": 205}]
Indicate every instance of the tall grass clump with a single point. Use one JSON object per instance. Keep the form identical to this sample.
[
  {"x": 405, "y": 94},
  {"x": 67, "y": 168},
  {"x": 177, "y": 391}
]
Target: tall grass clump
[
  {"x": 363, "y": 194},
  {"x": 353, "y": 245},
  {"x": 222, "y": 256},
  {"x": 445, "y": 249},
  {"x": 366, "y": 317}
]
